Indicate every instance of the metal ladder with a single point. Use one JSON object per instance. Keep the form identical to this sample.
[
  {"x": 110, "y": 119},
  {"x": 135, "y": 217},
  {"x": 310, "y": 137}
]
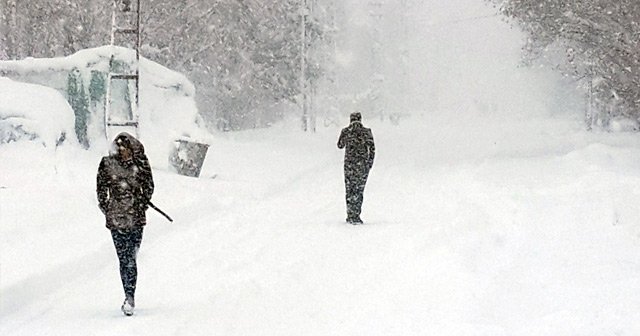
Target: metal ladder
[{"x": 121, "y": 112}]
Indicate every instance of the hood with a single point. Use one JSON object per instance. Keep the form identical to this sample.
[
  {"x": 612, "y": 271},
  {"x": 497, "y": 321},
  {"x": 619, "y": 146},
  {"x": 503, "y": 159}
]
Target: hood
[{"x": 129, "y": 141}]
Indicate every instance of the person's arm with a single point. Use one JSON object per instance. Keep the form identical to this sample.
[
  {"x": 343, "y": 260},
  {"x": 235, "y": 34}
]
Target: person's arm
[
  {"x": 146, "y": 180},
  {"x": 102, "y": 186},
  {"x": 342, "y": 139},
  {"x": 371, "y": 146}
]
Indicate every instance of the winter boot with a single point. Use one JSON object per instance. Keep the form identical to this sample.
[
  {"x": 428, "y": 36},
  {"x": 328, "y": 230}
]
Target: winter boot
[{"x": 128, "y": 305}]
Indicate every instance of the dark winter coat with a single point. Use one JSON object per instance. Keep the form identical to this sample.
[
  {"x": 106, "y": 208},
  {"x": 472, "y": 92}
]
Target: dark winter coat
[
  {"x": 124, "y": 188},
  {"x": 360, "y": 149}
]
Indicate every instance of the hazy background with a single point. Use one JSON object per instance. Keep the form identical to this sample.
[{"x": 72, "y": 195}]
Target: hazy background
[{"x": 445, "y": 57}]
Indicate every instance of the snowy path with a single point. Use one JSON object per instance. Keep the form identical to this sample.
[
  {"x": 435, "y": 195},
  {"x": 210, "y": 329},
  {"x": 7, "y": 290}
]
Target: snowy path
[{"x": 470, "y": 232}]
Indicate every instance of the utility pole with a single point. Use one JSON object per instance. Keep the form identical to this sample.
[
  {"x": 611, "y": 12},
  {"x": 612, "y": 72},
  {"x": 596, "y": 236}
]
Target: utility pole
[
  {"x": 590, "y": 118},
  {"x": 304, "y": 13},
  {"x": 13, "y": 49},
  {"x": 377, "y": 80},
  {"x": 404, "y": 58},
  {"x": 333, "y": 77}
]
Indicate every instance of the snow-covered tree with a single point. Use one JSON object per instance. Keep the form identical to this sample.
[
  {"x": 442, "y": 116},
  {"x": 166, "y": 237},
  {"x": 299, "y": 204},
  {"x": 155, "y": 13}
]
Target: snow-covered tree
[
  {"x": 40, "y": 28},
  {"x": 243, "y": 56},
  {"x": 598, "y": 41}
]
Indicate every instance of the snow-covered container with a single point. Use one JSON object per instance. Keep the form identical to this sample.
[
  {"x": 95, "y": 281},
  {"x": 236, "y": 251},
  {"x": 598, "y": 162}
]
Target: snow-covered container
[
  {"x": 188, "y": 157},
  {"x": 167, "y": 108}
]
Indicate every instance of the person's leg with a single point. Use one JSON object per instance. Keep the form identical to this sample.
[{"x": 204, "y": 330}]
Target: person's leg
[
  {"x": 355, "y": 179},
  {"x": 127, "y": 244},
  {"x": 134, "y": 239},
  {"x": 359, "y": 196},
  {"x": 350, "y": 193},
  {"x": 120, "y": 243},
  {"x": 360, "y": 183}
]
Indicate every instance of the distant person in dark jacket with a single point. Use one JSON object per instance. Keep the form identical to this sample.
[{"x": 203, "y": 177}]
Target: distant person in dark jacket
[
  {"x": 359, "y": 153},
  {"x": 124, "y": 188}
]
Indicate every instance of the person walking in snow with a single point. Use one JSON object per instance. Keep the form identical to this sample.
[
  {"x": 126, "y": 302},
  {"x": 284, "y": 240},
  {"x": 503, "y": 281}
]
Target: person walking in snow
[
  {"x": 359, "y": 153},
  {"x": 124, "y": 188}
]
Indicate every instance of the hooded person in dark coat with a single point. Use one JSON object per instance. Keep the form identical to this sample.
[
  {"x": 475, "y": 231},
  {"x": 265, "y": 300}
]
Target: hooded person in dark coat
[
  {"x": 124, "y": 188},
  {"x": 359, "y": 154}
]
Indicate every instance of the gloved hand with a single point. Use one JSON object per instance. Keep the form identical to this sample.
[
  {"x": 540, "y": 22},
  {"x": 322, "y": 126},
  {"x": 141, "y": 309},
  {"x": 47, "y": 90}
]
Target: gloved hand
[
  {"x": 143, "y": 205},
  {"x": 103, "y": 207}
]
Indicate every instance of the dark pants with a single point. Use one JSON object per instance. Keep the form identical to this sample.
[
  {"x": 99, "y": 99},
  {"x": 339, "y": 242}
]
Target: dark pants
[
  {"x": 355, "y": 178},
  {"x": 127, "y": 243}
]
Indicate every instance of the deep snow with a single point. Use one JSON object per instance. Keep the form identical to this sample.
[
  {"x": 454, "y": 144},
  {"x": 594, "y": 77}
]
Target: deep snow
[
  {"x": 470, "y": 231},
  {"x": 22, "y": 116}
]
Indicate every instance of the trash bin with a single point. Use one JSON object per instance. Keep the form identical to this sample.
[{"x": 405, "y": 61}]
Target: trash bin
[{"x": 187, "y": 157}]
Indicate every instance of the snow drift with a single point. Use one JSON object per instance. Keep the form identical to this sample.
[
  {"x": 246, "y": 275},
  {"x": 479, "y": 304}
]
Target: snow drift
[{"x": 34, "y": 112}]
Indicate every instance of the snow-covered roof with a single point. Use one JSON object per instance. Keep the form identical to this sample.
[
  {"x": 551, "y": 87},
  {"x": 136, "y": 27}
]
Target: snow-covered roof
[{"x": 98, "y": 59}]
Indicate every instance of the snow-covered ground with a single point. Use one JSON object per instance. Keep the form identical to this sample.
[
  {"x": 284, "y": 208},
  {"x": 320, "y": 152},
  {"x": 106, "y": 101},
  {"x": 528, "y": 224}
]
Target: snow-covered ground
[{"x": 523, "y": 227}]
